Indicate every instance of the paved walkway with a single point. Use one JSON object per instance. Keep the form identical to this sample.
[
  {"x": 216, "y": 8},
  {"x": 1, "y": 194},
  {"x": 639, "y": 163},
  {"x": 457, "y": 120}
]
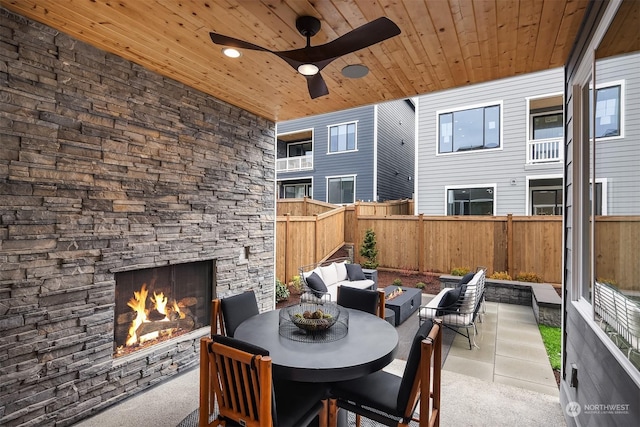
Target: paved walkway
[{"x": 506, "y": 381}]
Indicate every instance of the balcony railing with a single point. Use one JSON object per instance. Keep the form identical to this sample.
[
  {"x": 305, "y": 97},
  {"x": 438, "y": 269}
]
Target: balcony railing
[
  {"x": 545, "y": 151},
  {"x": 292, "y": 164}
]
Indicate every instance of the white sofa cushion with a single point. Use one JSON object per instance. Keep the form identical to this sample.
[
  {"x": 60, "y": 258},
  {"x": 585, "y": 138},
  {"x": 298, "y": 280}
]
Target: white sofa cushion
[
  {"x": 341, "y": 271},
  {"x": 329, "y": 274}
]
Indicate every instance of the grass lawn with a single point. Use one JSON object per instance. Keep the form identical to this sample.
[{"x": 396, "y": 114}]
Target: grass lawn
[{"x": 551, "y": 339}]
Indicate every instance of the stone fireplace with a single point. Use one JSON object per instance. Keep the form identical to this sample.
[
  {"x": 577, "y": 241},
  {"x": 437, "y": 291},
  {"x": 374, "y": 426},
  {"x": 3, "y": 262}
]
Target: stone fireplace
[
  {"x": 153, "y": 305},
  {"x": 108, "y": 170}
]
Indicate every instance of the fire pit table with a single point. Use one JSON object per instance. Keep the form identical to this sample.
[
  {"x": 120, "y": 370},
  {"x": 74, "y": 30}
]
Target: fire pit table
[{"x": 403, "y": 303}]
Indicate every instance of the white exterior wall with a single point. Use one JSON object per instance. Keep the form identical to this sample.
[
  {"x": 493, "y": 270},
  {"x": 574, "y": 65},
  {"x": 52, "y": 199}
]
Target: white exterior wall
[{"x": 499, "y": 167}]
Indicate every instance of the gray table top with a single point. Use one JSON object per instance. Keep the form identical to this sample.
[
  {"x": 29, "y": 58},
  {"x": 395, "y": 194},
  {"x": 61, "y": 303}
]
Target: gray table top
[{"x": 370, "y": 344}]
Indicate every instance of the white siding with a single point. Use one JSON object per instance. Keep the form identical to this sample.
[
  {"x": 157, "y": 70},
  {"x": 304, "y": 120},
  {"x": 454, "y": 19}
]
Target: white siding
[{"x": 499, "y": 166}]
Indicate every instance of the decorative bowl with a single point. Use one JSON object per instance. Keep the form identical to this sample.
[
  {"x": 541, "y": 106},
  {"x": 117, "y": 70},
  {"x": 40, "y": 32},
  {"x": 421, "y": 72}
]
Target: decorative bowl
[{"x": 314, "y": 317}]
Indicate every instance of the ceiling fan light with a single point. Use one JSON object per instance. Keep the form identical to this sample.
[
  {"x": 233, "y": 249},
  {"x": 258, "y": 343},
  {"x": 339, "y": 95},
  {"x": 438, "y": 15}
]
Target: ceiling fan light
[
  {"x": 231, "y": 52},
  {"x": 308, "y": 70}
]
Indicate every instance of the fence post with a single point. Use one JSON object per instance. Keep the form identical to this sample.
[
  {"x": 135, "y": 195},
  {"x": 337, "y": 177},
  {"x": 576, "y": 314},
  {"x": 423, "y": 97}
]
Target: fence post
[
  {"x": 316, "y": 249},
  {"x": 287, "y": 255},
  {"x": 421, "y": 243},
  {"x": 510, "y": 245}
]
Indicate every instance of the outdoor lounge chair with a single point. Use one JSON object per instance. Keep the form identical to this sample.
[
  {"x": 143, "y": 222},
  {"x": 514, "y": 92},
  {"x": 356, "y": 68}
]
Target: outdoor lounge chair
[{"x": 392, "y": 400}]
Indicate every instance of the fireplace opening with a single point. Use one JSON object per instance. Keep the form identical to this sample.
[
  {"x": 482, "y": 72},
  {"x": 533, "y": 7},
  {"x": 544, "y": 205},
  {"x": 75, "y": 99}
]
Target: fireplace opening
[{"x": 155, "y": 304}]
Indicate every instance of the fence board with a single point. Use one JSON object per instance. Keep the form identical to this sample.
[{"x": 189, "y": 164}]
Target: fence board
[{"x": 506, "y": 243}]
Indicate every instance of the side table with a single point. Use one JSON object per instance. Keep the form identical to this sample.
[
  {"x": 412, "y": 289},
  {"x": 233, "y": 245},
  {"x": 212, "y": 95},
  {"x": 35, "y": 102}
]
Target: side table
[{"x": 371, "y": 275}]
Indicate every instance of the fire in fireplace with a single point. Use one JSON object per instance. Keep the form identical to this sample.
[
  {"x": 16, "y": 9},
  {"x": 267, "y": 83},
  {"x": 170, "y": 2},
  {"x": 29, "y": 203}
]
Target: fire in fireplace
[{"x": 155, "y": 304}]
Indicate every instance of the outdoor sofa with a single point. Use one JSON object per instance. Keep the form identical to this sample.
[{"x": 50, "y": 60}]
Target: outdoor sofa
[{"x": 320, "y": 281}]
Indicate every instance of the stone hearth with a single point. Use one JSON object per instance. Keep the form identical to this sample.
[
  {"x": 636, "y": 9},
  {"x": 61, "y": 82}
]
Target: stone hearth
[{"x": 107, "y": 167}]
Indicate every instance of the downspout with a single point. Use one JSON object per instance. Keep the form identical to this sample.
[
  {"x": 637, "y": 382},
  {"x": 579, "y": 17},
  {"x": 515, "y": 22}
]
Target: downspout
[{"x": 375, "y": 154}]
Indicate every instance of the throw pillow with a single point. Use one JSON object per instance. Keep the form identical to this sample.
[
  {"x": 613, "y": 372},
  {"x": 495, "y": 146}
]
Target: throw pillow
[
  {"x": 354, "y": 272},
  {"x": 341, "y": 271},
  {"x": 465, "y": 279},
  {"x": 448, "y": 302},
  {"x": 316, "y": 285},
  {"x": 329, "y": 274}
]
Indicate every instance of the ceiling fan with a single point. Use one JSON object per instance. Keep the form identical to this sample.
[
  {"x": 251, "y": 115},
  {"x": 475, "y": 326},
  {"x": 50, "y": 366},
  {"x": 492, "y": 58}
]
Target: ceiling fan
[{"x": 310, "y": 60}]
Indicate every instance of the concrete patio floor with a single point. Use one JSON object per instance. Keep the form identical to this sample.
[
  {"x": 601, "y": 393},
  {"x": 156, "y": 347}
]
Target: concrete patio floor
[{"x": 506, "y": 381}]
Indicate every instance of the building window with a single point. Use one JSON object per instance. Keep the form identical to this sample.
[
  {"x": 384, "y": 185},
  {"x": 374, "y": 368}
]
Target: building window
[
  {"x": 470, "y": 201},
  {"x": 608, "y": 112},
  {"x": 547, "y": 125},
  {"x": 341, "y": 190},
  {"x": 342, "y": 137},
  {"x": 546, "y": 202},
  {"x": 298, "y": 149},
  {"x": 472, "y": 129},
  {"x": 297, "y": 191}
]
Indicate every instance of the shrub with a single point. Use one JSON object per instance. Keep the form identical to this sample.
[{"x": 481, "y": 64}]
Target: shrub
[
  {"x": 296, "y": 283},
  {"x": 459, "y": 271},
  {"x": 500, "y": 275},
  {"x": 421, "y": 285},
  {"x": 368, "y": 250},
  {"x": 528, "y": 277},
  {"x": 282, "y": 292},
  {"x": 607, "y": 281},
  {"x": 397, "y": 282}
]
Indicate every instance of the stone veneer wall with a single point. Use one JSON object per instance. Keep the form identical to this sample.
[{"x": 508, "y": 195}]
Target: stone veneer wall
[{"x": 104, "y": 167}]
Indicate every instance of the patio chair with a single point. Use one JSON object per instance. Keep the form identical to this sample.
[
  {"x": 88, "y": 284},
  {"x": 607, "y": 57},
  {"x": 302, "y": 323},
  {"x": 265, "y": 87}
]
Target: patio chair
[
  {"x": 362, "y": 299},
  {"x": 391, "y": 400},
  {"x": 227, "y": 313},
  {"x": 236, "y": 377}
]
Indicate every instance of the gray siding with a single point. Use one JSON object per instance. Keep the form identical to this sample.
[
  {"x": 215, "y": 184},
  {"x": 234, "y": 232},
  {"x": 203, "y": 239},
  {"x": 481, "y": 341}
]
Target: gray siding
[
  {"x": 618, "y": 159},
  {"x": 357, "y": 163},
  {"x": 396, "y": 150},
  {"x": 603, "y": 376},
  {"x": 495, "y": 166}
]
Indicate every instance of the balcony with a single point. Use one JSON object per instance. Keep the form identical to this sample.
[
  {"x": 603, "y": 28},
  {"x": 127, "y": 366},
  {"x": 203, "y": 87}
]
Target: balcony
[
  {"x": 294, "y": 164},
  {"x": 545, "y": 151}
]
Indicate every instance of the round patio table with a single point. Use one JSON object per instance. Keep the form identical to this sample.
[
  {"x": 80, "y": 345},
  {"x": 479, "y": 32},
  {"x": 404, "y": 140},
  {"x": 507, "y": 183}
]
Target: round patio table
[{"x": 369, "y": 345}]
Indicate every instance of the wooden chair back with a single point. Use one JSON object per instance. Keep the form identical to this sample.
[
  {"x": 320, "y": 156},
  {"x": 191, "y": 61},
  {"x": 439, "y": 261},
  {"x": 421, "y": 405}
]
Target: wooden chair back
[
  {"x": 239, "y": 382},
  {"x": 217, "y": 319},
  {"x": 381, "y": 301},
  {"x": 428, "y": 383}
]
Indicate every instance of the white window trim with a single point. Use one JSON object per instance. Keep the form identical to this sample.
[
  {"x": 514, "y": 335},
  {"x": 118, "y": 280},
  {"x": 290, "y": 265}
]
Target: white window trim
[
  {"x": 614, "y": 83},
  {"x": 528, "y": 189},
  {"x": 470, "y": 107},
  {"x": 327, "y": 178},
  {"x": 462, "y": 187},
  {"x": 329, "y": 152}
]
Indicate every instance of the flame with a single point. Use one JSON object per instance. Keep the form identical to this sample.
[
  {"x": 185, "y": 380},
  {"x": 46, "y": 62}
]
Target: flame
[
  {"x": 138, "y": 304},
  {"x": 161, "y": 304}
]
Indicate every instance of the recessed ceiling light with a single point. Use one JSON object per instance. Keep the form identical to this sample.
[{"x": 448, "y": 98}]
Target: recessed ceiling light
[
  {"x": 231, "y": 52},
  {"x": 355, "y": 71}
]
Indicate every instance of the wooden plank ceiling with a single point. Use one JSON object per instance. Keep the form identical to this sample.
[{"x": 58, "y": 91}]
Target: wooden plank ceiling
[{"x": 443, "y": 44}]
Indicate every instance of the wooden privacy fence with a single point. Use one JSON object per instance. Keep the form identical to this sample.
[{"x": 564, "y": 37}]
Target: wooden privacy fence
[{"x": 515, "y": 244}]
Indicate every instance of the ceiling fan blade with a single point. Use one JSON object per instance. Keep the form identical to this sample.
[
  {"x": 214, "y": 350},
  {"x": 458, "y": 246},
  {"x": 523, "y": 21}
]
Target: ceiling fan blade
[
  {"x": 367, "y": 35},
  {"x": 231, "y": 42},
  {"x": 317, "y": 86}
]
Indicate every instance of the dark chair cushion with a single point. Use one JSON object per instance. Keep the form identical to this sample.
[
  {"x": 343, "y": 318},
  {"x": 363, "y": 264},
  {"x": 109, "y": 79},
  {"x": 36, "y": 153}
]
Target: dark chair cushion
[
  {"x": 413, "y": 363},
  {"x": 465, "y": 279},
  {"x": 238, "y": 308},
  {"x": 316, "y": 285},
  {"x": 384, "y": 391},
  {"x": 359, "y": 299},
  {"x": 298, "y": 403},
  {"x": 354, "y": 272},
  {"x": 377, "y": 390}
]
